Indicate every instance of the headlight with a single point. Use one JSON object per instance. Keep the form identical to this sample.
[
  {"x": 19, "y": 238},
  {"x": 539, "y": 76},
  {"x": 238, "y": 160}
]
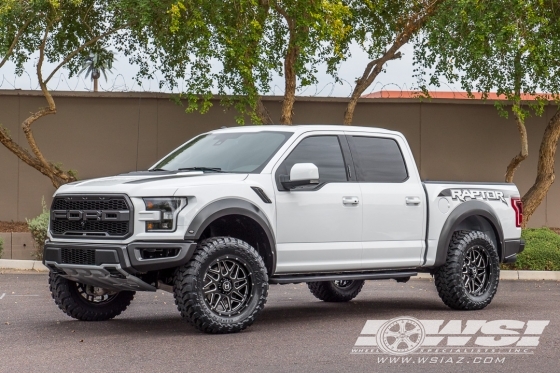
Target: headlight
[{"x": 168, "y": 208}]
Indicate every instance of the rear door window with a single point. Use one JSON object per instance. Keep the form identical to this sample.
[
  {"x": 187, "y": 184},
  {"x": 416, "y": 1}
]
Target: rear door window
[{"x": 378, "y": 160}]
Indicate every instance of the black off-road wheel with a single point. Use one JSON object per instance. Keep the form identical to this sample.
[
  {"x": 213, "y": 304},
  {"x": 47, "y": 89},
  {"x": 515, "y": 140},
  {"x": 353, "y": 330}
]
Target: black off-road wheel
[
  {"x": 469, "y": 278},
  {"x": 87, "y": 303},
  {"x": 223, "y": 288},
  {"x": 336, "y": 291}
]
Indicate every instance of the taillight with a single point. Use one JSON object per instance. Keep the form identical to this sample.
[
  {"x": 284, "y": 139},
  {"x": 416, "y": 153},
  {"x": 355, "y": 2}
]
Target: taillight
[{"x": 517, "y": 205}]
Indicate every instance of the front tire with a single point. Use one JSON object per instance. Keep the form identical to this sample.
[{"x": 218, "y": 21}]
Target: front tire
[
  {"x": 223, "y": 288},
  {"x": 336, "y": 291},
  {"x": 87, "y": 303},
  {"x": 469, "y": 278}
]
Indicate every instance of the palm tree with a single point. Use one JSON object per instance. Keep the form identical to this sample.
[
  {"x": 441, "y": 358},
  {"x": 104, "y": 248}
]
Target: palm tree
[{"x": 96, "y": 64}]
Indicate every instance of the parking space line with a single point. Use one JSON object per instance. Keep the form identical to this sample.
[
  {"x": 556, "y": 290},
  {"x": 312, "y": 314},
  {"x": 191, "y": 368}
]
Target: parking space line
[{"x": 2, "y": 296}]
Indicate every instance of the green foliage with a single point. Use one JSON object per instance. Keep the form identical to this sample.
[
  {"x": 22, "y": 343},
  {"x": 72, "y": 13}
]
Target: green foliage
[
  {"x": 542, "y": 251},
  {"x": 233, "y": 47},
  {"x": 97, "y": 63},
  {"x": 377, "y": 23},
  {"x": 510, "y": 46},
  {"x": 38, "y": 227},
  {"x": 321, "y": 32},
  {"x": 1, "y": 247},
  {"x": 76, "y": 29}
]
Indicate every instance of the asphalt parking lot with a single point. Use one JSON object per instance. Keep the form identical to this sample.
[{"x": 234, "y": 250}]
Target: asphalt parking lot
[{"x": 295, "y": 333}]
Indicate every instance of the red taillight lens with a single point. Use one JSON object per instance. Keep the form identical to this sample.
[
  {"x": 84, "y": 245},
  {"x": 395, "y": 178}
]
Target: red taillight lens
[{"x": 517, "y": 205}]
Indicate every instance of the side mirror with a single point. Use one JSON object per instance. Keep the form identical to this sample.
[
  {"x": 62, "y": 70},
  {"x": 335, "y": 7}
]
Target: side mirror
[{"x": 301, "y": 174}]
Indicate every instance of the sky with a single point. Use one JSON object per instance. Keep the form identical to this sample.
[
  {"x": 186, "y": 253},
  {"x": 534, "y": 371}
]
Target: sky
[{"x": 398, "y": 76}]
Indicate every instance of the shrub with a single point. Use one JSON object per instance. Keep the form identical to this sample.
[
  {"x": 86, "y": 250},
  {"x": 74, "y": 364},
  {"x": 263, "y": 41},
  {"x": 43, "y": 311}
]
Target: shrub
[
  {"x": 1, "y": 247},
  {"x": 38, "y": 227},
  {"x": 542, "y": 251}
]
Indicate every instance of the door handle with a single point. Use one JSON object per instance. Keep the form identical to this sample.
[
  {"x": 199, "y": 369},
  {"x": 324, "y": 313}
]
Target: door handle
[
  {"x": 412, "y": 201},
  {"x": 350, "y": 201}
]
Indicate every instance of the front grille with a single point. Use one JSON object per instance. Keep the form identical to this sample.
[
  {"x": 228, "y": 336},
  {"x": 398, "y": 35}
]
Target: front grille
[
  {"x": 115, "y": 204},
  {"x": 78, "y": 256},
  {"x": 75, "y": 228},
  {"x": 83, "y": 216}
]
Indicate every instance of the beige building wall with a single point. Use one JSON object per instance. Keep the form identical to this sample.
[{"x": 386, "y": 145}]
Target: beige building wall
[{"x": 100, "y": 134}]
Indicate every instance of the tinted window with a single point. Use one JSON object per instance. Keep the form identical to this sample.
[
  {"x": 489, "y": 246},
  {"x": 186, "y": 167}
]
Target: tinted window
[
  {"x": 378, "y": 160},
  {"x": 324, "y": 152},
  {"x": 238, "y": 152}
]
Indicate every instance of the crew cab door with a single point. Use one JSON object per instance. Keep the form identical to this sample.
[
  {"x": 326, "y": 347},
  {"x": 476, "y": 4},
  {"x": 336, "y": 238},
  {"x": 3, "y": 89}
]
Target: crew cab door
[
  {"x": 393, "y": 201},
  {"x": 319, "y": 226}
]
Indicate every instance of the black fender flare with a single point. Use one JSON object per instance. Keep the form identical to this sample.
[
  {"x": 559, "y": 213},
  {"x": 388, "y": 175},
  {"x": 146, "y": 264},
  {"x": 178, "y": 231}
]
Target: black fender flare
[
  {"x": 460, "y": 213},
  {"x": 231, "y": 206}
]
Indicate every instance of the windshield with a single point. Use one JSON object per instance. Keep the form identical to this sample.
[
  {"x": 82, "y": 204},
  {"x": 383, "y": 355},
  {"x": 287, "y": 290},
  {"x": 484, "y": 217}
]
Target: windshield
[{"x": 237, "y": 152}]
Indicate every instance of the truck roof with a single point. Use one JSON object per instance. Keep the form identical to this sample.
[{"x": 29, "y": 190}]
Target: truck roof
[{"x": 304, "y": 128}]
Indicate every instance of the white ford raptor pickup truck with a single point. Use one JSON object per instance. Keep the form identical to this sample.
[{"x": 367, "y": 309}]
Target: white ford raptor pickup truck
[{"x": 234, "y": 210}]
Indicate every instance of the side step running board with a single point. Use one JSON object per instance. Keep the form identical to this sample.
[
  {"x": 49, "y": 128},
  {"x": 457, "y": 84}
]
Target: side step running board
[{"x": 290, "y": 279}]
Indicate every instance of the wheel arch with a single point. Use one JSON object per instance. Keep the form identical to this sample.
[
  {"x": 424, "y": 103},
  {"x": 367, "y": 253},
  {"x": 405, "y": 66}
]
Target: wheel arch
[
  {"x": 470, "y": 215},
  {"x": 229, "y": 216}
]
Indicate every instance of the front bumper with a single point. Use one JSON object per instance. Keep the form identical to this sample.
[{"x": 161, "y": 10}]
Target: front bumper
[
  {"x": 511, "y": 249},
  {"x": 113, "y": 266}
]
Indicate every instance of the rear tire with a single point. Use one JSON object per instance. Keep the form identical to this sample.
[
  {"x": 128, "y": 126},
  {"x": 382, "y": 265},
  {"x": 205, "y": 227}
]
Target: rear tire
[
  {"x": 80, "y": 302},
  {"x": 469, "y": 278},
  {"x": 223, "y": 288},
  {"x": 336, "y": 291}
]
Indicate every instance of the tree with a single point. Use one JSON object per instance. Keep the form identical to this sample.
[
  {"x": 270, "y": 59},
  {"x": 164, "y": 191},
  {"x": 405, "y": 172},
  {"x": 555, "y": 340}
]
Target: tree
[
  {"x": 61, "y": 32},
  {"x": 381, "y": 28},
  {"x": 510, "y": 46},
  {"x": 303, "y": 33},
  {"x": 238, "y": 30},
  {"x": 97, "y": 63},
  {"x": 251, "y": 40}
]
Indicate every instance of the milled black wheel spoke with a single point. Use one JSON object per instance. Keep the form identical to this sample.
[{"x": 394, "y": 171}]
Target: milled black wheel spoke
[
  {"x": 237, "y": 297},
  {"x": 240, "y": 283},
  {"x": 225, "y": 303},
  {"x": 210, "y": 290},
  {"x": 214, "y": 300}
]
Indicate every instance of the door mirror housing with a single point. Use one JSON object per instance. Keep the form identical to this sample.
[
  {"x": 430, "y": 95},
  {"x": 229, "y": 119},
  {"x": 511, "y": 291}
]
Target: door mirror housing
[{"x": 301, "y": 174}]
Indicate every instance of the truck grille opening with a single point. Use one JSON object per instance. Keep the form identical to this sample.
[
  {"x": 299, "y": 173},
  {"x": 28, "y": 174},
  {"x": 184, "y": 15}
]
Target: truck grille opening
[
  {"x": 78, "y": 256},
  {"x": 90, "y": 228},
  {"x": 83, "y": 216},
  {"x": 114, "y": 204}
]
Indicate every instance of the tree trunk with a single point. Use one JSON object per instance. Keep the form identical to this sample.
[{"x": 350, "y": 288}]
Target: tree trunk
[
  {"x": 95, "y": 85},
  {"x": 262, "y": 113},
  {"x": 374, "y": 68},
  {"x": 545, "y": 168},
  {"x": 523, "y": 153},
  {"x": 290, "y": 87},
  {"x": 349, "y": 113},
  {"x": 36, "y": 159}
]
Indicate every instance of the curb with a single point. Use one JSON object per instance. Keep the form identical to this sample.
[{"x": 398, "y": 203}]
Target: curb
[
  {"x": 34, "y": 265},
  {"x": 29, "y": 265}
]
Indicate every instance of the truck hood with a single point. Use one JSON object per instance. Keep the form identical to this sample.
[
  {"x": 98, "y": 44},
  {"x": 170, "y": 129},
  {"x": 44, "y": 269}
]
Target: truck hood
[{"x": 148, "y": 184}]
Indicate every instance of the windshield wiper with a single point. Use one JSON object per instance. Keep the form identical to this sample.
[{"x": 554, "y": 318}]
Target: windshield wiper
[
  {"x": 209, "y": 169},
  {"x": 157, "y": 169}
]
